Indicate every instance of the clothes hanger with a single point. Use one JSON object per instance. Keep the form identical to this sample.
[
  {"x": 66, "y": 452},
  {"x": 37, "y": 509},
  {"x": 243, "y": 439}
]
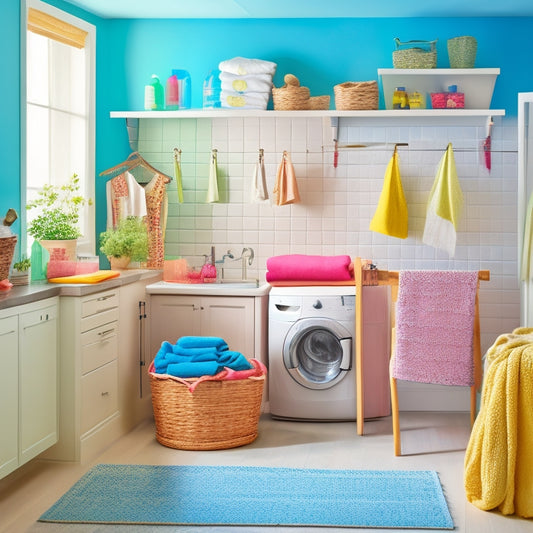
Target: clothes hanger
[{"x": 135, "y": 159}]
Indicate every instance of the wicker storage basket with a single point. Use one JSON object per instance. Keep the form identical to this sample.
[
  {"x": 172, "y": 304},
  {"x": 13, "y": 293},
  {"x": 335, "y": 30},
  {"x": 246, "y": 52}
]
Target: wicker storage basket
[
  {"x": 291, "y": 96},
  {"x": 462, "y": 51},
  {"x": 7, "y": 250},
  {"x": 217, "y": 415},
  {"x": 415, "y": 54},
  {"x": 318, "y": 102},
  {"x": 356, "y": 95}
]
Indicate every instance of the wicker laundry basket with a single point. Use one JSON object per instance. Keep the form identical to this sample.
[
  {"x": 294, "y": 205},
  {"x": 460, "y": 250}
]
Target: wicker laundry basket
[
  {"x": 217, "y": 415},
  {"x": 356, "y": 95},
  {"x": 7, "y": 250}
]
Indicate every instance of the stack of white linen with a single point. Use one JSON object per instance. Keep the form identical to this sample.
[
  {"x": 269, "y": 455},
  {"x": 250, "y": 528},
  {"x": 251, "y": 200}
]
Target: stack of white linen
[{"x": 246, "y": 83}]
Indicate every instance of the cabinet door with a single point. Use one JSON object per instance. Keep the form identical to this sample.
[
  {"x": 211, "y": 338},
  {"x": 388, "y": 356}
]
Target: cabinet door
[
  {"x": 172, "y": 317},
  {"x": 38, "y": 381},
  {"x": 8, "y": 395},
  {"x": 232, "y": 319}
]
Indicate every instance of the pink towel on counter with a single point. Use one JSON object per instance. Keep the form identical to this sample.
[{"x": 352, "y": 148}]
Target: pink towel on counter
[
  {"x": 434, "y": 327},
  {"x": 299, "y": 267}
]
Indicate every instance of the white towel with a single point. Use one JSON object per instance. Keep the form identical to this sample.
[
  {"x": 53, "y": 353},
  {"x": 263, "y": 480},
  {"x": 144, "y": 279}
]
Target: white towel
[
  {"x": 233, "y": 100},
  {"x": 243, "y": 66},
  {"x": 256, "y": 83},
  {"x": 259, "y": 186}
]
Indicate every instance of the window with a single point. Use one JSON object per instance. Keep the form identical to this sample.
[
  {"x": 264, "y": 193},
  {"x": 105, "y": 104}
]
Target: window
[{"x": 60, "y": 106}]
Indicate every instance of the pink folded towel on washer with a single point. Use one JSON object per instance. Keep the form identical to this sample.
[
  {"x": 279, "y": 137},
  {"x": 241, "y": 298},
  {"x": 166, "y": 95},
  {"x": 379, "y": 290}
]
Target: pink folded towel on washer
[{"x": 298, "y": 267}]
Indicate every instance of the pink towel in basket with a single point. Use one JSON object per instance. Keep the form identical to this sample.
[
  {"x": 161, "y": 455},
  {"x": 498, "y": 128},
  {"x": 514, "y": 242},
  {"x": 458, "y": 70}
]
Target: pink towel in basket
[
  {"x": 434, "y": 327},
  {"x": 298, "y": 267}
]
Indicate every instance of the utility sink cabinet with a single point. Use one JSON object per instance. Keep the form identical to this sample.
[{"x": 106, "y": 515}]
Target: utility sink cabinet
[
  {"x": 28, "y": 382},
  {"x": 239, "y": 320}
]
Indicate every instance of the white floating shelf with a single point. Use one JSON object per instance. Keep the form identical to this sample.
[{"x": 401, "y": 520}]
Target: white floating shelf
[
  {"x": 476, "y": 83},
  {"x": 394, "y": 114}
]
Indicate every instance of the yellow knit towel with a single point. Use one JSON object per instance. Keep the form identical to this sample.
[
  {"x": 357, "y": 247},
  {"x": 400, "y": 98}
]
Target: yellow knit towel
[
  {"x": 444, "y": 206},
  {"x": 92, "y": 277},
  {"x": 391, "y": 214},
  {"x": 498, "y": 461}
]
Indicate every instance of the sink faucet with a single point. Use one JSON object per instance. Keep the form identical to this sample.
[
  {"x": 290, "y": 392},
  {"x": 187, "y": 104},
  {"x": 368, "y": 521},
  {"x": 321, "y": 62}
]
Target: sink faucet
[
  {"x": 220, "y": 262},
  {"x": 247, "y": 258}
]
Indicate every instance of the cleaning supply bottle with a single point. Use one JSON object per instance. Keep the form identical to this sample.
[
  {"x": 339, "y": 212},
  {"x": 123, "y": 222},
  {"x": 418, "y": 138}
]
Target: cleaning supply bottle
[
  {"x": 212, "y": 90},
  {"x": 400, "y": 99},
  {"x": 172, "y": 100},
  {"x": 184, "y": 87},
  {"x": 39, "y": 259},
  {"x": 154, "y": 95}
]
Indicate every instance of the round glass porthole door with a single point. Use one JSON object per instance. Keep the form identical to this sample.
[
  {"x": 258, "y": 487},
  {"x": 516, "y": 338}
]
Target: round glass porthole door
[{"x": 317, "y": 352}]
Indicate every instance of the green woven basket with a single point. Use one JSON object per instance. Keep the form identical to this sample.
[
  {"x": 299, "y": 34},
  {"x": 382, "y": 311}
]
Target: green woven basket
[
  {"x": 462, "y": 51},
  {"x": 414, "y": 54}
]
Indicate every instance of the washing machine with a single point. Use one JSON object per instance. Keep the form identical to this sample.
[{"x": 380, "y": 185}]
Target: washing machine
[{"x": 311, "y": 353}]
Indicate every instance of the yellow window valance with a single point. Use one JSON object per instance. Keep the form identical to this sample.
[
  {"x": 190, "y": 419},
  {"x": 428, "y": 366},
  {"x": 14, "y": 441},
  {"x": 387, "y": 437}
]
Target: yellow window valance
[{"x": 54, "y": 28}]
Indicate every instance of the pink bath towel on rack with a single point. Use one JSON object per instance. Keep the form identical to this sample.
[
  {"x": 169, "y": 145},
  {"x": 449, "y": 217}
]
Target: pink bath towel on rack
[{"x": 435, "y": 327}]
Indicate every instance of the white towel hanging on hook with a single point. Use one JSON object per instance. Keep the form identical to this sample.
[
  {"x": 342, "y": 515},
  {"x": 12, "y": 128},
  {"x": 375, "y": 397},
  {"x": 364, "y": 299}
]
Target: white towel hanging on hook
[{"x": 259, "y": 192}]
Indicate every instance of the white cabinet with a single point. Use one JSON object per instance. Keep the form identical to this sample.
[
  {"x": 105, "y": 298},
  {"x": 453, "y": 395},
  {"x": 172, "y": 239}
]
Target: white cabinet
[
  {"x": 9, "y": 394},
  {"x": 89, "y": 375},
  {"x": 135, "y": 402},
  {"x": 239, "y": 320},
  {"x": 28, "y": 382}
]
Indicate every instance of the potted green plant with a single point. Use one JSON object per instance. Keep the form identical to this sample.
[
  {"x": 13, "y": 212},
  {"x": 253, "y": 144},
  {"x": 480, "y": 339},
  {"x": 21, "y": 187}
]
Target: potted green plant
[
  {"x": 127, "y": 242},
  {"x": 56, "y": 224},
  {"x": 21, "y": 272}
]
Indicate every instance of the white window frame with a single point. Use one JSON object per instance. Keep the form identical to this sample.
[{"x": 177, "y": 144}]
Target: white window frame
[{"x": 87, "y": 243}]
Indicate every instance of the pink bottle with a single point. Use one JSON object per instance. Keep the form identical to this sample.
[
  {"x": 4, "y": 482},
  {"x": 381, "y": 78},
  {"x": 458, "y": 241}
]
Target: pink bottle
[{"x": 172, "y": 93}]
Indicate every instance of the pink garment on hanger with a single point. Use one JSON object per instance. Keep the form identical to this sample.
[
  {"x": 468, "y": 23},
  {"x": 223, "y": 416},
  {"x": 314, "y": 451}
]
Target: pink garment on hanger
[{"x": 155, "y": 192}]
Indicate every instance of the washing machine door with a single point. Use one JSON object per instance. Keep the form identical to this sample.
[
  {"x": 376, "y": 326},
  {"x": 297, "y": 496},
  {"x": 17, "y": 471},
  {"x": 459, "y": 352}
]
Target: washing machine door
[{"x": 317, "y": 352}]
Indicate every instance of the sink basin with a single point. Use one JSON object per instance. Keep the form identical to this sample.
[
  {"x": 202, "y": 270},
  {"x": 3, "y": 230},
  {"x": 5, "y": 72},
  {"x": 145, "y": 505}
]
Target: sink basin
[{"x": 226, "y": 287}]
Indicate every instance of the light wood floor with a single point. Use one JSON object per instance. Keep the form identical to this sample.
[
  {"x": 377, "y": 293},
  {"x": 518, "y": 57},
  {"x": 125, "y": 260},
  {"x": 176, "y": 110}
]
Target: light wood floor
[{"x": 434, "y": 441}]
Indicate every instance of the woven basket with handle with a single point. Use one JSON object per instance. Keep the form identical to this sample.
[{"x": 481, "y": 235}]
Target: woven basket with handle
[
  {"x": 217, "y": 415},
  {"x": 355, "y": 95},
  {"x": 7, "y": 249}
]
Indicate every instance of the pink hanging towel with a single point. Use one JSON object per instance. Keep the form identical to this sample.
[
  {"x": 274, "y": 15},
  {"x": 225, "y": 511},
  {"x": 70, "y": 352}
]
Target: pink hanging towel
[{"x": 434, "y": 327}]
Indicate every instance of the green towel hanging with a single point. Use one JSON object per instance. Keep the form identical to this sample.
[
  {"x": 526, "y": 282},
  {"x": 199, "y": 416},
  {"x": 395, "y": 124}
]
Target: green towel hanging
[
  {"x": 212, "y": 188},
  {"x": 177, "y": 174}
]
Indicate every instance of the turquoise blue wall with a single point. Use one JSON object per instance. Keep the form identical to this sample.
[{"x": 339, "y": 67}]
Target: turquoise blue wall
[{"x": 320, "y": 52}]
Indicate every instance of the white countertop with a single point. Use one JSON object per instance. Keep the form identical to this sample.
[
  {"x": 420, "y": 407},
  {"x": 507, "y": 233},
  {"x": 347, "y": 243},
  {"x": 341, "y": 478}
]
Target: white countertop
[{"x": 237, "y": 288}]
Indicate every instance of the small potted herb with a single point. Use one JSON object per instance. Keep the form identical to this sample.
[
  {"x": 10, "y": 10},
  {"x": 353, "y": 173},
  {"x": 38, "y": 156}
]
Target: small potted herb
[
  {"x": 58, "y": 215},
  {"x": 21, "y": 272},
  {"x": 127, "y": 242}
]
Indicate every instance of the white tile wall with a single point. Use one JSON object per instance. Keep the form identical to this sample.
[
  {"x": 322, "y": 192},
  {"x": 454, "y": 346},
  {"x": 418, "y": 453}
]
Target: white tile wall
[{"x": 338, "y": 203}]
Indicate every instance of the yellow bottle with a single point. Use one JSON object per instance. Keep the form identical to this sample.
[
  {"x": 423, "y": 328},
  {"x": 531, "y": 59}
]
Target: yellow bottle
[{"x": 400, "y": 99}]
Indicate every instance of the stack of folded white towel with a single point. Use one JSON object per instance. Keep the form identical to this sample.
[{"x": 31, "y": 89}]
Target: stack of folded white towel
[{"x": 246, "y": 83}]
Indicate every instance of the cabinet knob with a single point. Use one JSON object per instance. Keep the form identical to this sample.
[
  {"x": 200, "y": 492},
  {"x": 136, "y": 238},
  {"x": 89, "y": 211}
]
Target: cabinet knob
[{"x": 105, "y": 393}]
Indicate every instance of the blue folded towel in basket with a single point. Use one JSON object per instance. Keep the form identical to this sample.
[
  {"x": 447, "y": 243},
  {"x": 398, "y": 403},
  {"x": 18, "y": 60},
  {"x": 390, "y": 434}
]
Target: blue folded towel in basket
[
  {"x": 202, "y": 342},
  {"x": 198, "y": 356}
]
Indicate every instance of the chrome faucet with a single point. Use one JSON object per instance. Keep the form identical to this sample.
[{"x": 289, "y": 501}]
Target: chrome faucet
[
  {"x": 247, "y": 258},
  {"x": 220, "y": 262}
]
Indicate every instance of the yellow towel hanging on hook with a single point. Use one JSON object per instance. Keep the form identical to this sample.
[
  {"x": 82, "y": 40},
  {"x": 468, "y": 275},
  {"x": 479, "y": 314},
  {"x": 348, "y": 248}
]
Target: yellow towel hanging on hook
[{"x": 391, "y": 214}]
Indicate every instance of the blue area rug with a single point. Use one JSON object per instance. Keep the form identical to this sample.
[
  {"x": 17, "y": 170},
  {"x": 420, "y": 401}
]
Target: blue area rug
[{"x": 213, "y": 495}]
